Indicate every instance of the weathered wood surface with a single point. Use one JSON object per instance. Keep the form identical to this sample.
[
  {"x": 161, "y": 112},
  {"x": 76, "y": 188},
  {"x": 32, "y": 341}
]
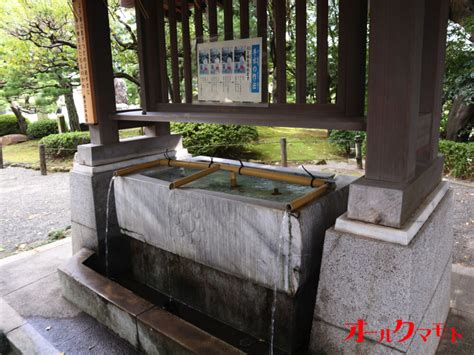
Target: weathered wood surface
[
  {"x": 394, "y": 88},
  {"x": 276, "y": 117},
  {"x": 97, "y": 41}
]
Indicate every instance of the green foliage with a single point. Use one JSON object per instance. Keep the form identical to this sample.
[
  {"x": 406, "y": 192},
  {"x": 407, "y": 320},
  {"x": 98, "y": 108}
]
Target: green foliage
[
  {"x": 214, "y": 139},
  {"x": 459, "y": 77},
  {"x": 8, "y": 125},
  {"x": 344, "y": 140},
  {"x": 58, "y": 234},
  {"x": 458, "y": 158},
  {"x": 42, "y": 128},
  {"x": 64, "y": 144}
]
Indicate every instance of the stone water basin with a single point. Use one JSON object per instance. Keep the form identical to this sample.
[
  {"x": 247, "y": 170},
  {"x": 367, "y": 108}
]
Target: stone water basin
[
  {"x": 243, "y": 231},
  {"x": 233, "y": 254}
]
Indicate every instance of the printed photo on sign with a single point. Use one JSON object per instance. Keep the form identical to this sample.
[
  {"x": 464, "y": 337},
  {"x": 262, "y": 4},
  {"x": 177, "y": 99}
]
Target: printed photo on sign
[
  {"x": 203, "y": 62},
  {"x": 215, "y": 61},
  {"x": 227, "y": 60},
  {"x": 239, "y": 60}
]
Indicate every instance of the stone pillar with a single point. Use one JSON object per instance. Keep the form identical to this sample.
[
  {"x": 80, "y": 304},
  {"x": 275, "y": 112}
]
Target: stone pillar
[
  {"x": 379, "y": 275},
  {"x": 389, "y": 257}
]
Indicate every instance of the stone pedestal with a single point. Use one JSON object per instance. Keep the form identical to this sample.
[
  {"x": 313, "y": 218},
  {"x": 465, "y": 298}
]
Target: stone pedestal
[
  {"x": 90, "y": 179},
  {"x": 380, "y": 280}
]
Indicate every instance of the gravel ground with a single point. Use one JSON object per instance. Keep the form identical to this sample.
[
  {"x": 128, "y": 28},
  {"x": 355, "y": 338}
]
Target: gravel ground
[
  {"x": 463, "y": 224},
  {"x": 31, "y": 206}
]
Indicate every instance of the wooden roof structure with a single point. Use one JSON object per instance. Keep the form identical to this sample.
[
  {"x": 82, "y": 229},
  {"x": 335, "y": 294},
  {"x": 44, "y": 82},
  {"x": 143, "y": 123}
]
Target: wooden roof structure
[{"x": 405, "y": 71}]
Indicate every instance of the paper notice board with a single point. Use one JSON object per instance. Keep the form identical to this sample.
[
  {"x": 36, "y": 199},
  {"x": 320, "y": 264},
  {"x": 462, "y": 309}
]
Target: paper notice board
[{"x": 230, "y": 71}]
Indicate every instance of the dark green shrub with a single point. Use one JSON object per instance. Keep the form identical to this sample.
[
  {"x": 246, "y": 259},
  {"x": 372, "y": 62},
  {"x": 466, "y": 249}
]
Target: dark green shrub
[
  {"x": 215, "y": 140},
  {"x": 8, "y": 125},
  {"x": 345, "y": 139},
  {"x": 64, "y": 144},
  {"x": 458, "y": 158},
  {"x": 42, "y": 128}
]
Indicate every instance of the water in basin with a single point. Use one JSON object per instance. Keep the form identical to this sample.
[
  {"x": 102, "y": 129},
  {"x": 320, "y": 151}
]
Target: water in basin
[{"x": 219, "y": 181}]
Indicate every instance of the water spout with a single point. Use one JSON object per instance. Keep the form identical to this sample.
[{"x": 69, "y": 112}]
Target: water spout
[
  {"x": 285, "y": 224},
  {"x": 107, "y": 209}
]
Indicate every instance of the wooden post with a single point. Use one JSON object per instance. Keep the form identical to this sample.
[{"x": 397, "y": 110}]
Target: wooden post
[
  {"x": 1, "y": 156},
  {"x": 322, "y": 73},
  {"x": 434, "y": 48},
  {"x": 42, "y": 158},
  {"x": 358, "y": 150},
  {"x": 352, "y": 56},
  {"x": 396, "y": 35},
  {"x": 62, "y": 128},
  {"x": 284, "y": 157},
  {"x": 94, "y": 52},
  {"x": 150, "y": 74}
]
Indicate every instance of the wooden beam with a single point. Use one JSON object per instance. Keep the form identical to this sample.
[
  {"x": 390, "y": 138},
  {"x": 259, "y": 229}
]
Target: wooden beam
[
  {"x": 278, "y": 118},
  {"x": 322, "y": 72},
  {"x": 92, "y": 22},
  {"x": 162, "y": 51},
  {"x": 228, "y": 20},
  {"x": 352, "y": 56},
  {"x": 176, "y": 97},
  {"x": 279, "y": 10},
  {"x": 396, "y": 34},
  {"x": 188, "y": 84},
  {"x": 262, "y": 23},
  {"x": 212, "y": 16},
  {"x": 301, "y": 51},
  {"x": 434, "y": 49},
  {"x": 244, "y": 18}
]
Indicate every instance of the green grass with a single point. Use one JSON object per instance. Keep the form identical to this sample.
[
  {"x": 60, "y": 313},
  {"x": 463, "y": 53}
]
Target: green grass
[
  {"x": 27, "y": 153},
  {"x": 302, "y": 145}
]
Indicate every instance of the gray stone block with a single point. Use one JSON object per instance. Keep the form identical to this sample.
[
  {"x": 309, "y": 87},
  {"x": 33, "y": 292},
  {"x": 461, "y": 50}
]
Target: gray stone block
[
  {"x": 329, "y": 339},
  {"x": 391, "y": 204},
  {"x": 380, "y": 282},
  {"x": 83, "y": 237},
  {"x": 130, "y": 148},
  {"x": 242, "y": 236}
]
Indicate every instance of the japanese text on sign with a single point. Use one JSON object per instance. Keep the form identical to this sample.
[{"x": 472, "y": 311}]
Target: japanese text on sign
[{"x": 230, "y": 71}]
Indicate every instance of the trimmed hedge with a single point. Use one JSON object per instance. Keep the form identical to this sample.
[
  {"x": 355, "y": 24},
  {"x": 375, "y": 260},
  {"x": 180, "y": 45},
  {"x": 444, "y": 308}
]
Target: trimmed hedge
[
  {"x": 64, "y": 144},
  {"x": 215, "y": 140},
  {"x": 458, "y": 158},
  {"x": 345, "y": 140},
  {"x": 42, "y": 128},
  {"x": 8, "y": 125}
]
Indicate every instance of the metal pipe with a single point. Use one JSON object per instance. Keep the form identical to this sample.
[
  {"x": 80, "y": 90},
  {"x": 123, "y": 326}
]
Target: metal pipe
[
  {"x": 307, "y": 198},
  {"x": 193, "y": 177}
]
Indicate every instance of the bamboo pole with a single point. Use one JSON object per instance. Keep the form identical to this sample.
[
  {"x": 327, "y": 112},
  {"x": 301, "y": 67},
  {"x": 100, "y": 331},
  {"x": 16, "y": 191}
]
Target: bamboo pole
[
  {"x": 193, "y": 177},
  {"x": 138, "y": 167},
  {"x": 307, "y": 198},
  {"x": 261, "y": 173}
]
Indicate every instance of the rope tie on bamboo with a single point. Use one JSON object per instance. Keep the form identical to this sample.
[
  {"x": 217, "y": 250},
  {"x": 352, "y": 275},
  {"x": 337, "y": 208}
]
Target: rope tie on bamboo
[
  {"x": 241, "y": 166},
  {"x": 311, "y": 175},
  {"x": 167, "y": 157}
]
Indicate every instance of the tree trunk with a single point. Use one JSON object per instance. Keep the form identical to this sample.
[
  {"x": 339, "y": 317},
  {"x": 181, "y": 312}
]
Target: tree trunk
[
  {"x": 19, "y": 117},
  {"x": 72, "y": 112},
  {"x": 460, "y": 120}
]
